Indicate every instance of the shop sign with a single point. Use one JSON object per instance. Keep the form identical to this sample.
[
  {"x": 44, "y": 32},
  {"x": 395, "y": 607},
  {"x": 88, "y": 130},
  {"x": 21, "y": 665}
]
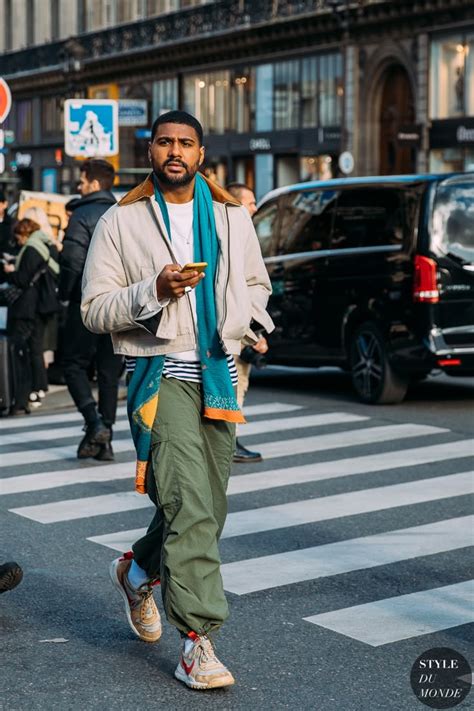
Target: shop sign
[
  {"x": 91, "y": 127},
  {"x": 23, "y": 160},
  {"x": 465, "y": 135},
  {"x": 260, "y": 144},
  {"x": 143, "y": 134},
  {"x": 133, "y": 112},
  {"x": 331, "y": 135},
  {"x": 5, "y": 100},
  {"x": 346, "y": 162},
  {"x": 452, "y": 133},
  {"x": 409, "y": 135}
]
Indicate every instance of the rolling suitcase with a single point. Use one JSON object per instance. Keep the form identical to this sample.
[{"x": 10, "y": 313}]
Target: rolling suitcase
[{"x": 6, "y": 375}]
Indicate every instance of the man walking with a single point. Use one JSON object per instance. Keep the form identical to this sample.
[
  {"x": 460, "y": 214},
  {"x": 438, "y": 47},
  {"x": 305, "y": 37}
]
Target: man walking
[
  {"x": 180, "y": 329},
  {"x": 243, "y": 455},
  {"x": 80, "y": 345}
]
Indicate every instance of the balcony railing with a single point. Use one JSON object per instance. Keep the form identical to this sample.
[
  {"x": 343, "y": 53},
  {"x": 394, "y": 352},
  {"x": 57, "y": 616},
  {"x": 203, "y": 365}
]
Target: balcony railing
[{"x": 205, "y": 20}]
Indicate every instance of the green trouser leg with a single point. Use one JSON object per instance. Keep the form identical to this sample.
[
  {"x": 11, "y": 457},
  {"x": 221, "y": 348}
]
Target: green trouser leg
[{"x": 191, "y": 459}]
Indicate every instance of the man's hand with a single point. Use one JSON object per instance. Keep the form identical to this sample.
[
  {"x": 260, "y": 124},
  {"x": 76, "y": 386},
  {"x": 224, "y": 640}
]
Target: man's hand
[
  {"x": 170, "y": 284},
  {"x": 8, "y": 268},
  {"x": 261, "y": 346}
]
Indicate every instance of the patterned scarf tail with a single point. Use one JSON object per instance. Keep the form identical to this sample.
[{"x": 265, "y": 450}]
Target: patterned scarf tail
[{"x": 142, "y": 405}]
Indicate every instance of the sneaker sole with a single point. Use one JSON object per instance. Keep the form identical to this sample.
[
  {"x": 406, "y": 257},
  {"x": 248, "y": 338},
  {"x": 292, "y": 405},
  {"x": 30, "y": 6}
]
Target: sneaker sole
[
  {"x": 11, "y": 579},
  {"x": 246, "y": 460},
  {"x": 118, "y": 586},
  {"x": 181, "y": 675}
]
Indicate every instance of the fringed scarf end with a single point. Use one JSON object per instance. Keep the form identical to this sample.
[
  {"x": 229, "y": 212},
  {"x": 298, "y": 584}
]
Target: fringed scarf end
[{"x": 140, "y": 477}]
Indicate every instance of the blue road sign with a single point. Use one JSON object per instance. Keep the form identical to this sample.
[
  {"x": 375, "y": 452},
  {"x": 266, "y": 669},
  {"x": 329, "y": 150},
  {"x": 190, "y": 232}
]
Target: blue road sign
[{"x": 90, "y": 127}]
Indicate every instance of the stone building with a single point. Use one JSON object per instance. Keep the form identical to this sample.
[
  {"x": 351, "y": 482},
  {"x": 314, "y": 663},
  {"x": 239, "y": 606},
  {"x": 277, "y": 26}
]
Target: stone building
[{"x": 282, "y": 87}]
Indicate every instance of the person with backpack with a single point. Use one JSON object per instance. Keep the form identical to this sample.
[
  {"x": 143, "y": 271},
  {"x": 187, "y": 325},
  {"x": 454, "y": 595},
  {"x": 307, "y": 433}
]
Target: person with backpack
[{"x": 33, "y": 299}]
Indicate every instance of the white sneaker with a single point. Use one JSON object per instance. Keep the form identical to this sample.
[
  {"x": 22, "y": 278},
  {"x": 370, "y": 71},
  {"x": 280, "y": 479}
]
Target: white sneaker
[
  {"x": 34, "y": 399},
  {"x": 199, "y": 668}
]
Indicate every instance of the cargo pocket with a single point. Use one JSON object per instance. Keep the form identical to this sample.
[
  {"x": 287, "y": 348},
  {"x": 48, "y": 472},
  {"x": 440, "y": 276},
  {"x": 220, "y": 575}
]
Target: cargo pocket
[{"x": 164, "y": 471}]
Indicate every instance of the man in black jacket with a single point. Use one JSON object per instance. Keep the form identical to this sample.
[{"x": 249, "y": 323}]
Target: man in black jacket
[{"x": 80, "y": 345}]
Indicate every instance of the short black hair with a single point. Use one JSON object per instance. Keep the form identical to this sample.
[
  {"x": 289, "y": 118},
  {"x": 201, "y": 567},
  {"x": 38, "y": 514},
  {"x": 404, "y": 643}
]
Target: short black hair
[
  {"x": 100, "y": 170},
  {"x": 181, "y": 117},
  {"x": 2, "y": 196}
]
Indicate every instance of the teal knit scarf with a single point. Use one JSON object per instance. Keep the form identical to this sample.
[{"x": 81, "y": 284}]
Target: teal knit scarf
[{"x": 219, "y": 400}]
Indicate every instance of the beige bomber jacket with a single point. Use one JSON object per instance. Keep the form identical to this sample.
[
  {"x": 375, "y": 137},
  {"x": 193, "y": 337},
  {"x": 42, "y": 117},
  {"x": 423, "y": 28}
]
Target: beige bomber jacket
[{"x": 130, "y": 247}]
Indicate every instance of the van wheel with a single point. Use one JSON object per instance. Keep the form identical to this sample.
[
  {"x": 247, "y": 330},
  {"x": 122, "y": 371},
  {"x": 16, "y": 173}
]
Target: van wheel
[{"x": 373, "y": 377}]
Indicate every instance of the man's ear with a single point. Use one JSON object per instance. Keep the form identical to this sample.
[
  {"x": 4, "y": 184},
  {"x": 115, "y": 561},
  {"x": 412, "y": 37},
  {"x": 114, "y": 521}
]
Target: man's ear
[
  {"x": 202, "y": 153},
  {"x": 149, "y": 152}
]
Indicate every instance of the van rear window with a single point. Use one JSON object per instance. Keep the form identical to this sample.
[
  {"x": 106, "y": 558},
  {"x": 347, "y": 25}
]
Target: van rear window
[{"x": 452, "y": 225}]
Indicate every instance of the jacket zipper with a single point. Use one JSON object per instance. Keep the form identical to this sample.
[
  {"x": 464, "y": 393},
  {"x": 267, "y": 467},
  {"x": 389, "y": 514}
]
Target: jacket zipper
[{"x": 224, "y": 314}]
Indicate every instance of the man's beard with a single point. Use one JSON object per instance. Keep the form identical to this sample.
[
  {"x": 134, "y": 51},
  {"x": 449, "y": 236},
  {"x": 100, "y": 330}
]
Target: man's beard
[{"x": 175, "y": 180}]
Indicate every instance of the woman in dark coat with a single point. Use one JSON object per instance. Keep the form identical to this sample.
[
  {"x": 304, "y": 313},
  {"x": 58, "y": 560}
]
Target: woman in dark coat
[{"x": 25, "y": 326}]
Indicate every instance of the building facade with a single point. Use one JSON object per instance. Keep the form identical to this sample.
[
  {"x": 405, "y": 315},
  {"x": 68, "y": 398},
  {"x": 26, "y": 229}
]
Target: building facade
[{"x": 282, "y": 87}]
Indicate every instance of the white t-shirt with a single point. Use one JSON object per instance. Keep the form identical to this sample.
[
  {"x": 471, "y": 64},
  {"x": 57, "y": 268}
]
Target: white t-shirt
[{"x": 182, "y": 244}]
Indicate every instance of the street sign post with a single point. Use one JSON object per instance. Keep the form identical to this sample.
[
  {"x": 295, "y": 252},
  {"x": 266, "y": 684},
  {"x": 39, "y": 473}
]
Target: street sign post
[
  {"x": 5, "y": 100},
  {"x": 91, "y": 127},
  {"x": 2, "y": 151}
]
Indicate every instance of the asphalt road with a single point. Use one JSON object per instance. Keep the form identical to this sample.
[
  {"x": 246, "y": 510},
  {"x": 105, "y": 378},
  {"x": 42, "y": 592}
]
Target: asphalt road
[{"x": 341, "y": 567}]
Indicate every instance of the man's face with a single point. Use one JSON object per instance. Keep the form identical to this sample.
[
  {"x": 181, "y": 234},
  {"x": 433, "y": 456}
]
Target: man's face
[
  {"x": 86, "y": 187},
  {"x": 247, "y": 198},
  {"x": 175, "y": 154},
  {"x": 3, "y": 207}
]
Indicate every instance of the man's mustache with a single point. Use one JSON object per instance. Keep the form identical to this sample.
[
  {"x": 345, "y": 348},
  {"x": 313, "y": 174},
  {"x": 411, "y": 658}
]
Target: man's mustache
[{"x": 176, "y": 162}]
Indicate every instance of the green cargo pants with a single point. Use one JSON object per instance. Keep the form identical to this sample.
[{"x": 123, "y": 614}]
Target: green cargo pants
[{"x": 191, "y": 458}]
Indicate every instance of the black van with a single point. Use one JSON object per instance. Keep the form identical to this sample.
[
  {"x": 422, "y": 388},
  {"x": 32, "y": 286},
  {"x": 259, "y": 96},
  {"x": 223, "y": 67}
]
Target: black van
[{"x": 375, "y": 275}]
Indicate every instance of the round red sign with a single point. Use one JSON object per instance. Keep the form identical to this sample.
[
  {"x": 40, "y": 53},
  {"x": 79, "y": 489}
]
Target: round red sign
[{"x": 5, "y": 100}]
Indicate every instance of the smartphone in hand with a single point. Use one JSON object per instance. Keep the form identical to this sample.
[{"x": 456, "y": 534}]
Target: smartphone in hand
[{"x": 194, "y": 267}]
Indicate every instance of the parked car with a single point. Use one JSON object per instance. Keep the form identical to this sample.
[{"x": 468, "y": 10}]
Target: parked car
[{"x": 374, "y": 275}]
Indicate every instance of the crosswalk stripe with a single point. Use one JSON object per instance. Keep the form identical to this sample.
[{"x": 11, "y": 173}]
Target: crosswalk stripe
[
  {"x": 9, "y": 423},
  {"x": 245, "y": 483},
  {"x": 65, "y": 477},
  {"x": 288, "y": 447},
  {"x": 352, "y": 503},
  {"x": 403, "y": 617},
  {"x": 52, "y": 435},
  {"x": 120, "y": 540},
  {"x": 346, "y": 556},
  {"x": 251, "y": 428},
  {"x": 298, "y": 513},
  {"x": 349, "y": 438},
  {"x": 30, "y": 422},
  {"x": 294, "y": 423},
  {"x": 71, "y": 509}
]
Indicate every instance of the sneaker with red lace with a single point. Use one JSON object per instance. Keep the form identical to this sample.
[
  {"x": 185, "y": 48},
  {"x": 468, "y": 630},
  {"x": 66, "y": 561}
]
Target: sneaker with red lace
[
  {"x": 142, "y": 613},
  {"x": 198, "y": 667}
]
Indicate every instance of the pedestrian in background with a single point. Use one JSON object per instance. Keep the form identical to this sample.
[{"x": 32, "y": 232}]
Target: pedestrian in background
[
  {"x": 179, "y": 329},
  {"x": 80, "y": 345},
  {"x": 249, "y": 354},
  {"x": 7, "y": 242},
  {"x": 34, "y": 272}
]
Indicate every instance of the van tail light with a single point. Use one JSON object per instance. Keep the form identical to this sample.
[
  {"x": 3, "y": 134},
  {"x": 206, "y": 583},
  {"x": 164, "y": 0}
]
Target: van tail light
[
  {"x": 449, "y": 362},
  {"x": 425, "y": 286}
]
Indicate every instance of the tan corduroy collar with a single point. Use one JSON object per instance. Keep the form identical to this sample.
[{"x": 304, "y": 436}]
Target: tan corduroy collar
[{"x": 146, "y": 190}]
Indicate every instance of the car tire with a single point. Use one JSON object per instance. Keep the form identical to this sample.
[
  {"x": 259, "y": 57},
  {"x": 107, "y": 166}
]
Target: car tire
[{"x": 374, "y": 379}]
